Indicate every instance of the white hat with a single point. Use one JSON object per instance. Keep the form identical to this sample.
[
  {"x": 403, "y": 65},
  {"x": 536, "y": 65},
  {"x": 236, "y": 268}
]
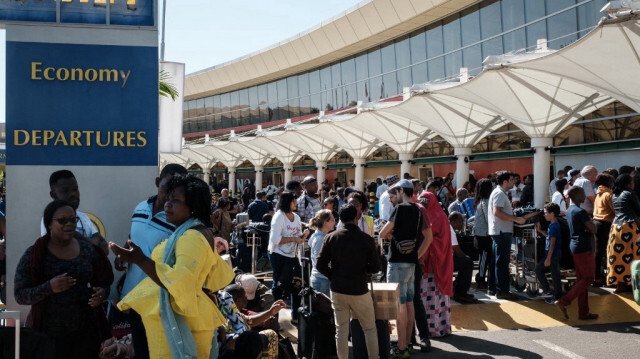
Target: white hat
[{"x": 249, "y": 283}]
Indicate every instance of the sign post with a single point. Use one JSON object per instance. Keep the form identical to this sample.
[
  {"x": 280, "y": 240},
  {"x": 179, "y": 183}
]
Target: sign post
[{"x": 82, "y": 95}]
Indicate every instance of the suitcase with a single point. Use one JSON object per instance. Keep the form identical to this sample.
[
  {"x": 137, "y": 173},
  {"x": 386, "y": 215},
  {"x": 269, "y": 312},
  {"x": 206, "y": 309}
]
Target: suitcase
[
  {"x": 359, "y": 344},
  {"x": 635, "y": 280},
  {"x": 316, "y": 331}
]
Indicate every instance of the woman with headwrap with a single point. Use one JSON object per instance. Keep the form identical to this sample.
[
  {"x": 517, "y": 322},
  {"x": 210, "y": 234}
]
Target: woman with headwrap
[{"x": 437, "y": 269}]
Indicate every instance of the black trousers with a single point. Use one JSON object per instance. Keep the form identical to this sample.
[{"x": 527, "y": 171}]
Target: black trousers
[
  {"x": 420, "y": 312},
  {"x": 139, "y": 336},
  {"x": 600, "y": 251},
  {"x": 464, "y": 267}
]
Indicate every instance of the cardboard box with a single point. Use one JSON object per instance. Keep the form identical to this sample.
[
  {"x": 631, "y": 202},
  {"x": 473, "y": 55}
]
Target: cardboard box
[{"x": 386, "y": 301}]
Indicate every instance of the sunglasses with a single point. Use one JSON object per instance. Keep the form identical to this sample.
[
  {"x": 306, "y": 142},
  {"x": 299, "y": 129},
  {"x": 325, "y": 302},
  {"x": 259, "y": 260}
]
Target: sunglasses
[{"x": 64, "y": 221}]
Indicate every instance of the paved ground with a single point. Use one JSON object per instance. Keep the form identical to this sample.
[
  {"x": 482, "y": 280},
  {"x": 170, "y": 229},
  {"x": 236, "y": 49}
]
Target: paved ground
[{"x": 530, "y": 328}]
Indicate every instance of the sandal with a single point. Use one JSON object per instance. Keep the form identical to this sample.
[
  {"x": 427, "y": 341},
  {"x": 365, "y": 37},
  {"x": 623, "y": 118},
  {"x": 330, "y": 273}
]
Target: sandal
[
  {"x": 563, "y": 309},
  {"x": 590, "y": 316}
]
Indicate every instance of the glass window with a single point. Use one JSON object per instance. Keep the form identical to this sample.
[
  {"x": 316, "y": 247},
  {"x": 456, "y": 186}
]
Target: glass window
[
  {"x": 349, "y": 80},
  {"x": 185, "y": 110},
  {"x": 200, "y": 111},
  {"x": 336, "y": 81},
  {"x": 303, "y": 84},
  {"x": 435, "y": 48},
  {"x": 535, "y": 9},
  {"x": 254, "y": 116},
  {"x": 561, "y": 24},
  {"x": 452, "y": 42},
  {"x": 192, "y": 109},
  {"x": 628, "y": 128},
  {"x": 282, "y": 89},
  {"x": 375, "y": 89},
  {"x": 225, "y": 100},
  {"x": 418, "y": 45},
  {"x": 512, "y": 17},
  {"x": 208, "y": 105},
  {"x": 235, "y": 108},
  {"x": 589, "y": 15},
  {"x": 362, "y": 75},
  {"x": 470, "y": 28},
  {"x": 272, "y": 94},
  {"x": 305, "y": 105},
  {"x": 490, "y": 25},
  {"x": 314, "y": 89},
  {"x": 325, "y": 86},
  {"x": 403, "y": 62},
  {"x": 244, "y": 107},
  {"x": 389, "y": 80},
  {"x": 292, "y": 87},
  {"x": 216, "y": 104}
]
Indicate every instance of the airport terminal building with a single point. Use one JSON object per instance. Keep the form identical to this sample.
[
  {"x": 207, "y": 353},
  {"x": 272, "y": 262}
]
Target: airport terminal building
[{"x": 379, "y": 55}]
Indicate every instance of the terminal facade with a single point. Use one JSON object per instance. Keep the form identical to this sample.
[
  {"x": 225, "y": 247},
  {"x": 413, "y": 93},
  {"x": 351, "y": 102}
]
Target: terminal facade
[{"x": 361, "y": 57}]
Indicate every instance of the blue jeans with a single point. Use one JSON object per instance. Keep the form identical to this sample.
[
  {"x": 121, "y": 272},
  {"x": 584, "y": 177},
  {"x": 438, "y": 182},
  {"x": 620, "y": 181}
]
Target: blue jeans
[
  {"x": 321, "y": 285},
  {"x": 502, "y": 255},
  {"x": 278, "y": 264},
  {"x": 555, "y": 276},
  {"x": 403, "y": 274}
]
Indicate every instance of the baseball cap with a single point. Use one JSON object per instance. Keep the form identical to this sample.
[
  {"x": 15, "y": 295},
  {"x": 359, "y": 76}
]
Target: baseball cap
[
  {"x": 249, "y": 283},
  {"x": 405, "y": 183},
  {"x": 391, "y": 180}
]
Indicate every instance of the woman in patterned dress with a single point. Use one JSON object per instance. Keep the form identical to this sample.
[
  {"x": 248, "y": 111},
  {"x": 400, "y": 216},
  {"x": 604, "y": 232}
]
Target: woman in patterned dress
[{"x": 624, "y": 238}]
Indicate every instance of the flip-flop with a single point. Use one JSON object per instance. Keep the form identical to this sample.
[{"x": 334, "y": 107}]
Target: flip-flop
[
  {"x": 590, "y": 316},
  {"x": 563, "y": 309}
]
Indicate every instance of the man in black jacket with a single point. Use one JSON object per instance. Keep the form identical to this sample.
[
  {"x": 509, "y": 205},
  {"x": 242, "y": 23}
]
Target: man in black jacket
[{"x": 347, "y": 258}]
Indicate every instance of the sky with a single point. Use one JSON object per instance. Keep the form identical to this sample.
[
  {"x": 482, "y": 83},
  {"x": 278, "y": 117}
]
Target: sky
[{"x": 204, "y": 33}]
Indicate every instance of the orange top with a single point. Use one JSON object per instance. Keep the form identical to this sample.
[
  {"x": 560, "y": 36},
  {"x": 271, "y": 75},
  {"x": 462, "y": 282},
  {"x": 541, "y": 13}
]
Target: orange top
[{"x": 603, "y": 205}]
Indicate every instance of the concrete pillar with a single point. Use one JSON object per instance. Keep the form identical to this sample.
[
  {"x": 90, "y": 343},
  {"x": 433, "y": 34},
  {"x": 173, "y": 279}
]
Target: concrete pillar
[
  {"x": 259, "y": 170},
  {"x": 288, "y": 171},
  {"x": 321, "y": 166},
  {"x": 405, "y": 164},
  {"x": 541, "y": 161},
  {"x": 205, "y": 175},
  {"x": 462, "y": 165},
  {"x": 359, "y": 162},
  {"x": 232, "y": 181}
]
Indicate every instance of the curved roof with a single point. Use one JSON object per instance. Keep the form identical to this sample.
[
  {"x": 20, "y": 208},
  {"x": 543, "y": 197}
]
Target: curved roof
[
  {"x": 533, "y": 94},
  {"x": 363, "y": 26}
]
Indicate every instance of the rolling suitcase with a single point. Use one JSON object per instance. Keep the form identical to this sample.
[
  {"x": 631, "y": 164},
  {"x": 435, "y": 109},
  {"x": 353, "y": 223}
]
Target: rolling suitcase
[
  {"x": 635, "y": 280},
  {"x": 316, "y": 331}
]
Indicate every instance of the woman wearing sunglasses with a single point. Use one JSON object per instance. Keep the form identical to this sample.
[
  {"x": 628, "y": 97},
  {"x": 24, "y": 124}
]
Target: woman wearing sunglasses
[{"x": 65, "y": 280}]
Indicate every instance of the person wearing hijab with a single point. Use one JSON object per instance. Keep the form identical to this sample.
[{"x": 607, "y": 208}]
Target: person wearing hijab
[{"x": 437, "y": 269}]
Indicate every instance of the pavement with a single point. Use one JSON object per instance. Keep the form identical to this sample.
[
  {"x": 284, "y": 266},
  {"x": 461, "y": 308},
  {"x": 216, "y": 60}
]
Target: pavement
[{"x": 531, "y": 328}]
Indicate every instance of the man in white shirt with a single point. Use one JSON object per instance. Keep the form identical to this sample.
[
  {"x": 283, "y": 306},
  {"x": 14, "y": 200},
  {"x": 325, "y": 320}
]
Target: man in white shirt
[
  {"x": 63, "y": 185},
  {"x": 589, "y": 174},
  {"x": 385, "y": 201},
  {"x": 516, "y": 191},
  {"x": 382, "y": 187},
  {"x": 500, "y": 219}
]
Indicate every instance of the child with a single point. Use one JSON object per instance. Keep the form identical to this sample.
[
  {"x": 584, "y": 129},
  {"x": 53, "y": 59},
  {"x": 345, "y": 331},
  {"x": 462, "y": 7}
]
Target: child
[
  {"x": 553, "y": 252},
  {"x": 581, "y": 229}
]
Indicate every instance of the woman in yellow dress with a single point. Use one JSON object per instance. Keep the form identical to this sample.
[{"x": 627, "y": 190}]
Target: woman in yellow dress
[{"x": 178, "y": 316}]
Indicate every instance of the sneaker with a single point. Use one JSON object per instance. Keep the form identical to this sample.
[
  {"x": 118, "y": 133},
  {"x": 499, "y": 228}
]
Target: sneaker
[
  {"x": 550, "y": 300},
  {"x": 396, "y": 353},
  {"x": 425, "y": 345},
  {"x": 491, "y": 292},
  {"x": 545, "y": 294}
]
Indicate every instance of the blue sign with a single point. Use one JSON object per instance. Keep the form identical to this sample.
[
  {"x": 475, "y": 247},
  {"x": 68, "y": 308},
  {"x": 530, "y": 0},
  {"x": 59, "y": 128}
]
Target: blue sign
[
  {"x": 92, "y": 105},
  {"x": 123, "y": 12}
]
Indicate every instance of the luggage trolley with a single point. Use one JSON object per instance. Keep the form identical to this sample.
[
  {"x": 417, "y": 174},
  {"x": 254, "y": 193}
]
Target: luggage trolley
[
  {"x": 255, "y": 242},
  {"x": 524, "y": 257}
]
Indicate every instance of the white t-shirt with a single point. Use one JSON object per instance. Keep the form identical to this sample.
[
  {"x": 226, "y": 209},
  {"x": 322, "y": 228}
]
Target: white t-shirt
[
  {"x": 558, "y": 198},
  {"x": 454, "y": 238},
  {"x": 385, "y": 206},
  {"x": 587, "y": 186},
  {"x": 381, "y": 189},
  {"x": 496, "y": 225},
  {"x": 515, "y": 194},
  {"x": 84, "y": 226},
  {"x": 281, "y": 227}
]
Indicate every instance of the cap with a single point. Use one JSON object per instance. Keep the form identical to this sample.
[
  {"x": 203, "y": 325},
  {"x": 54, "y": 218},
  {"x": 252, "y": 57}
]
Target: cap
[
  {"x": 573, "y": 173},
  {"x": 391, "y": 180},
  {"x": 249, "y": 283},
  {"x": 308, "y": 179},
  {"x": 405, "y": 183}
]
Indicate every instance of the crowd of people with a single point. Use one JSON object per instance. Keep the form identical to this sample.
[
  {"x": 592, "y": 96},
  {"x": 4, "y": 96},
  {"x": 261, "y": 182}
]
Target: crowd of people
[{"x": 178, "y": 297}]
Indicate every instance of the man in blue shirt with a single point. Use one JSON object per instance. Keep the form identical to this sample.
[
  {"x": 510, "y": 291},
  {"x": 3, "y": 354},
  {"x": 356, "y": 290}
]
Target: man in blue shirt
[
  {"x": 582, "y": 230},
  {"x": 149, "y": 227},
  {"x": 258, "y": 208},
  {"x": 553, "y": 253}
]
